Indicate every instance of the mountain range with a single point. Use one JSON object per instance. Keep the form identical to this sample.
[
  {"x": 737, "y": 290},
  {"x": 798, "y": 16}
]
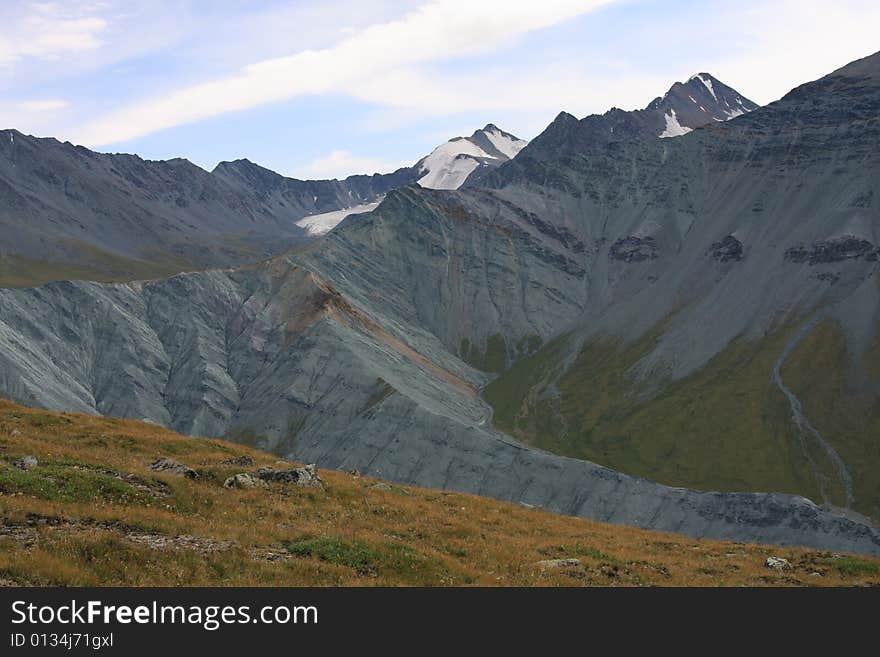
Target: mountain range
[
  {"x": 69, "y": 212},
  {"x": 686, "y": 294}
]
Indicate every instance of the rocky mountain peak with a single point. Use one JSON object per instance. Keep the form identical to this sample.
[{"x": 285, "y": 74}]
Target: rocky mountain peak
[
  {"x": 450, "y": 164},
  {"x": 701, "y": 100}
]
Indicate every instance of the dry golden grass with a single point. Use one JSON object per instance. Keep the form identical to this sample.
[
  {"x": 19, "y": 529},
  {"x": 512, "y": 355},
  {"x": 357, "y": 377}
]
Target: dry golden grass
[{"x": 61, "y": 524}]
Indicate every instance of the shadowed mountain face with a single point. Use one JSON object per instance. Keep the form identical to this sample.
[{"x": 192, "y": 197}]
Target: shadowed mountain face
[
  {"x": 295, "y": 199},
  {"x": 714, "y": 262},
  {"x": 68, "y": 212},
  {"x": 700, "y": 100},
  {"x": 655, "y": 305}
]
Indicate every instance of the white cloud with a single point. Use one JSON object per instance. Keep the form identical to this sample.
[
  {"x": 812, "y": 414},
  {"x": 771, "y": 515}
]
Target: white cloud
[
  {"x": 785, "y": 43},
  {"x": 49, "y": 31},
  {"x": 340, "y": 164},
  {"x": 571, "y": 86},
  {"x": 47, "y": 105},
  {"x": 34, "y": 115},
  {"x": 441, "y": 29},
  {"x": 761, "y": 47}
]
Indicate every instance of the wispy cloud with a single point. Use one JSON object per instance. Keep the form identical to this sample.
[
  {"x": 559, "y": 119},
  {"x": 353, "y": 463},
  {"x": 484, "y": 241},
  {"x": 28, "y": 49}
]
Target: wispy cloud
[
  {"x": 441, "y": 29},
  {"x": 386, "y": 78},
  {"x": 788, "y": 42},
  {"x": 40, "y": 112},
  {"x": 46, "y": 105},
  {"x": 48, "y": 31}
]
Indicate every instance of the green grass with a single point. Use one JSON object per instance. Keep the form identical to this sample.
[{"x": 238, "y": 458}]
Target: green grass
[
  {"x": 16, "y": 271},
  {"x": 371, "y": 559},
  {"x": 60, "y": 483},
  {"x": 852, "y": 566},
  {"x": 580, "y": 550},
  {"x": 842, "y": 402},
  {"x": 64, "y": 526},
  {"x": 45, "y": 420},
  {"x": 508, "y": 393},
  {"x": 353, "y": 554},
  {"x": 492, "y": 359},
  {"x": 725, "y": 427}
]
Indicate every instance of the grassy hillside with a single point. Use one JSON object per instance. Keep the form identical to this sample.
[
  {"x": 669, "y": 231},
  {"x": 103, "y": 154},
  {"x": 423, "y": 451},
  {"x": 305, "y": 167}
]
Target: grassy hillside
[
  {"x": 17, "y": 271},
  {"x": 725, "y": 427},
  {"x": 843, "y": 403},
  {"x": 93, "y": 513}
]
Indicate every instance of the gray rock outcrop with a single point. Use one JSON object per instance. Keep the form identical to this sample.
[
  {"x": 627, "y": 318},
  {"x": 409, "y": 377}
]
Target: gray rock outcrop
[
  {"x": 244, "y": 480},
  {"x": 163, "y": 464},
  {"x": 304, "y": 477},
  {"x": 26, "y": 463}
]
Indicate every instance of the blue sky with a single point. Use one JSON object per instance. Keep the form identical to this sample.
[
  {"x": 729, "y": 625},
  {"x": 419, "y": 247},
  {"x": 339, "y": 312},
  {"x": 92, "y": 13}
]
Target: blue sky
[{"x": 324, "y": 89}]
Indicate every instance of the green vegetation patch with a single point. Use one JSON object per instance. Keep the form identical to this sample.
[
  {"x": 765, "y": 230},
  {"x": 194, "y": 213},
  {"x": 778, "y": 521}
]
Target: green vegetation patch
[
  {"x": 390, "y": 559},
  {"x": 336, "y": 550},
  {"x": 724, "y": 427},
  {"x": 492, "y": 359},
  {"x": 61, "y": 483},
  {"x": 838, "y": 394},
  {"x": 851, "y": 565}
]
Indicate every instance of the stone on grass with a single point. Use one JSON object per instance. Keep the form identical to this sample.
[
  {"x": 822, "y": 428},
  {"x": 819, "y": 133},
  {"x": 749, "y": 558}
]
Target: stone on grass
[
  {"x": 244, "y": 480},
  {"x": 777, "y": 563},
  {"x": 548, "y": 564},
  {"x": 26, "y": 463},
  {"x": 304, "y": 477},
  {"x": 244, "y": 461},
  {"x": 173, "y": 467}
]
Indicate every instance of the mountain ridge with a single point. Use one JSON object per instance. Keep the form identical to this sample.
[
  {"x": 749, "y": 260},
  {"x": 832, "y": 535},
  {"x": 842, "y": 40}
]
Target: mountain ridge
[{"x": 75, "y": 213}]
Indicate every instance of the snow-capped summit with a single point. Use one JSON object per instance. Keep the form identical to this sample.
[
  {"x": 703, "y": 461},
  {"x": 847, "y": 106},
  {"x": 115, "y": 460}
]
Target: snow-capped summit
[
  {"x": 450, "y": 164},
  {"x": 700, "y": 100}
]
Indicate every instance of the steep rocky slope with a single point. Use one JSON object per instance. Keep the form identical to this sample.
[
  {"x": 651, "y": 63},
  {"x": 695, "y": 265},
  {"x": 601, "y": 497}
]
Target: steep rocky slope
[
  {"x": 67, "y": 210},
  {"x": 714, "y": 260},
  {"x": 277, "y": 358},
  {"x": 672, "y": 278},
  {"x": 296, "y": 199}
]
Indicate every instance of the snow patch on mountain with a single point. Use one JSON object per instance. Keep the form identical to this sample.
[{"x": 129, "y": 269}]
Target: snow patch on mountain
[
  {"x": 323, "y": 223},
  {"x": 507, "y": 144},
  {"x": 450, "y": 164},
  {"x": 707, "y": 83},
  {"x": 673, "y": 127},
  {"x": 449, "y": 174}
]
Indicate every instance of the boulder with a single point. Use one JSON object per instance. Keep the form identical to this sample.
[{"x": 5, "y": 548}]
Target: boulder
[
  {"x": 548, "y": 564},
  {"x": 777, "y": 563},
  {"x": 173, "y": 467},
  {"x": 244, "y": 480},
  {"x": 26, "y": 463},
  {"x": 243, "y": 461},
  {"x": 304, "y": 477}
]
